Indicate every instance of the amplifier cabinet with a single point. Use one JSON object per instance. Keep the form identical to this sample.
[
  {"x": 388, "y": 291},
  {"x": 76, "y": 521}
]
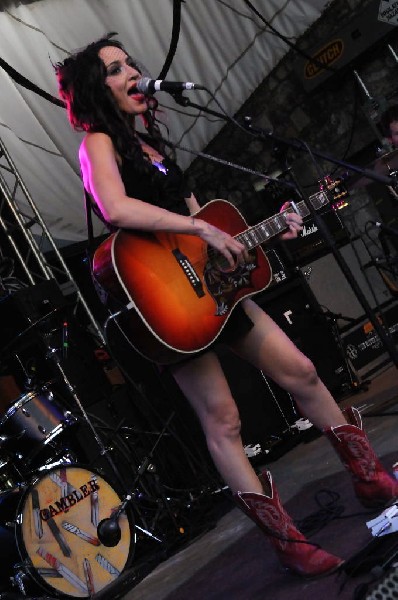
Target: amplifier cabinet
[
  {"x": 332, "y": 289},
  {"x": 310, "y": 243},
  {"x": 293, "y": 306},
  {"x": 267, "y": 412},
  {"x": 363, "y": 346}
]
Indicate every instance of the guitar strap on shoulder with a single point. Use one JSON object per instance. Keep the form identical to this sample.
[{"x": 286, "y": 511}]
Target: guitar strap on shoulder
[
  {"x": 102, "y": 294},
  {"x": 89, "y": 223}
]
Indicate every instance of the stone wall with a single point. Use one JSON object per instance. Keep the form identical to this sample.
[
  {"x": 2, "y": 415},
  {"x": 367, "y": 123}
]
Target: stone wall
[{"x": 333, "y": 119}]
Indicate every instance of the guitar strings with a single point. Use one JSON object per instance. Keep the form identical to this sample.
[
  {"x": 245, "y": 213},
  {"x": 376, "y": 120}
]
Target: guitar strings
[{"x": 209, "y": 253}]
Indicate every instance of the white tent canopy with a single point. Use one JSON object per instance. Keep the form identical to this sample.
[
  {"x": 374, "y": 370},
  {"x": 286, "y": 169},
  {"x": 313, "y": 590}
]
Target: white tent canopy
[{"x": 223, "y": 45}]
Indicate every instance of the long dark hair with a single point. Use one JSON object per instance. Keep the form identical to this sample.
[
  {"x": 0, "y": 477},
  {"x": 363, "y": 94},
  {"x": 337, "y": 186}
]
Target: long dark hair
[{"x": 91, "y": 105}]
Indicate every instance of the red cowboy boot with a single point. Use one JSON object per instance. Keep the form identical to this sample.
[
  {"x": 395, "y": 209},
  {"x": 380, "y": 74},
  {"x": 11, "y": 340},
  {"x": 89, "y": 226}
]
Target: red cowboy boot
[
  {"x": 293, "y": 550},
  {"x": 373, "y": 486}
]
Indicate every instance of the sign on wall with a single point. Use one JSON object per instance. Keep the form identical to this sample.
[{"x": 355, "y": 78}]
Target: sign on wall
[
  {"x": 388, "y": 12},
  {"x": 347, "y": 43}
]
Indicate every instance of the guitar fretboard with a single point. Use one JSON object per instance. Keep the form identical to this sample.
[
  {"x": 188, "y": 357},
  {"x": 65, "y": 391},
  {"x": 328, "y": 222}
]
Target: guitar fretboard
[{"x": 264, "y": 231}]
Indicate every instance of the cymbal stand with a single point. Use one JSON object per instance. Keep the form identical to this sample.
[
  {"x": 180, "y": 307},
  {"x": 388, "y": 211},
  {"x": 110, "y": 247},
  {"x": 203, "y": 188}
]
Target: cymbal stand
[
  {"x": 108, "y": 527},
  {"x": 195, "y": 461}
]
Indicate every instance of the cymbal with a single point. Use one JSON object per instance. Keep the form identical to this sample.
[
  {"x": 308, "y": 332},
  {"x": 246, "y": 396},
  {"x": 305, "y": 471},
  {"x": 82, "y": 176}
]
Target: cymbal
[
  {"x": 383, "y": 165},
  {"x": 15, "y": 340},
  {"x": 386, "y": 158}
]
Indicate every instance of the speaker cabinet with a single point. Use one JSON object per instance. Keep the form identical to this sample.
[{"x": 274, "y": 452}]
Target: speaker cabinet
[
  {"x": 332, "y": 289},
  {"x": 267, "y": 412},
  {"x": 295, "y": 309},
  {"x": 310, "y": 243}
]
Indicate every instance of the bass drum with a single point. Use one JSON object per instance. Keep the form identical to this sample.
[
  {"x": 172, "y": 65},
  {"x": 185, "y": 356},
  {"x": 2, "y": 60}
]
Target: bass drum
[{"x": 53, "y": 525}]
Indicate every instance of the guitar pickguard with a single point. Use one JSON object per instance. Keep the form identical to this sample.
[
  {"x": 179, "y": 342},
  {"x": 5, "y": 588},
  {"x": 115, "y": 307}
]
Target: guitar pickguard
[{"x": 224, "y": 285}]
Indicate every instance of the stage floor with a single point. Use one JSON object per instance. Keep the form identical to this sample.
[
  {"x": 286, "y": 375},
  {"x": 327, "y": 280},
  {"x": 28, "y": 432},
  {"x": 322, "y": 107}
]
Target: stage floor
[{"x": 201, "y": 569}]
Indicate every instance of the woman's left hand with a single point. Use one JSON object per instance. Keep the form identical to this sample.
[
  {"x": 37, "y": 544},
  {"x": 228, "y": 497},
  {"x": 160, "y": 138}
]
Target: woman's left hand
[{"x": 294, "y": 221}]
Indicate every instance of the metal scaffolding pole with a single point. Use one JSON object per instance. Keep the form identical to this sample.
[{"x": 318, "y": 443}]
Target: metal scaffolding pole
[{"x": 23, "y": 215}]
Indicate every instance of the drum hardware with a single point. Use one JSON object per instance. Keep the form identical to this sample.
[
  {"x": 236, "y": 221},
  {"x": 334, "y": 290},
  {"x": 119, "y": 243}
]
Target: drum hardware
[
  {"x": 7, "y": 438},
  {"x": 62, "y": 461},
  {"x": 53, "y": 354},
  {"x": 18, "y": 580},
  {"x": 108, "y": 529},
  {"x": 106, "y": 533}
]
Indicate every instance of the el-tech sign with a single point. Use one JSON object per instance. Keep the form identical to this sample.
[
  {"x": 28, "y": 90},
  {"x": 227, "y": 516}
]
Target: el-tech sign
[{"x": 388, "y": 12}]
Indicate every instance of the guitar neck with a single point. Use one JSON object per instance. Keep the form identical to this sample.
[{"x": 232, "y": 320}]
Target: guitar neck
[{"x": 273, "y": 226}]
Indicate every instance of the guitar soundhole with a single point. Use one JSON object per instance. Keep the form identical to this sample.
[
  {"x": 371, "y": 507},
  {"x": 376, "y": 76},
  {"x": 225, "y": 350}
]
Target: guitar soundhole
[
  {"x": 223, "y": 282},
  {"x": 220, "y": 263}
]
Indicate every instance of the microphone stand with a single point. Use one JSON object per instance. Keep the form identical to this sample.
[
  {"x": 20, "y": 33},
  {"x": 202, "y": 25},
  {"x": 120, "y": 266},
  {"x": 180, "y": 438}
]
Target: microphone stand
[{"x": 285, "y": 143}]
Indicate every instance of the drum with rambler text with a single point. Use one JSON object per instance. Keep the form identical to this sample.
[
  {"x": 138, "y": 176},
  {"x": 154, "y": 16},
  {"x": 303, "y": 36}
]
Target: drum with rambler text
[{"x": 49, "y": 532}]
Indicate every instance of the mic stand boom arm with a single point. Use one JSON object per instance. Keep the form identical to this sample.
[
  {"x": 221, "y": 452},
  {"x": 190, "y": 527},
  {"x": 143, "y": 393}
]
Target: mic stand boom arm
[
  {"x": 384, "y": 337},
  {"x": 298, "y": 145},
  {"x": 265, "y": 133}
]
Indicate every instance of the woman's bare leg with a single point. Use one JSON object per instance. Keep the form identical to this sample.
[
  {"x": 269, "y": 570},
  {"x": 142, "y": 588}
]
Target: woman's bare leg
[
  {"x": 203, "y": 383},
  {"x": 269, "y": 349}
]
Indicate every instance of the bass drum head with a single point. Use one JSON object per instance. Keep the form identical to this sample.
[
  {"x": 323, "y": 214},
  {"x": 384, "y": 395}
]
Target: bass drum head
[{"x": 57, "y": 532}]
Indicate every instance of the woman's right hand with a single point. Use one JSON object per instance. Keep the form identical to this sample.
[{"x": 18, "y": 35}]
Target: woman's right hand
[{"x": 234, "y": 251}]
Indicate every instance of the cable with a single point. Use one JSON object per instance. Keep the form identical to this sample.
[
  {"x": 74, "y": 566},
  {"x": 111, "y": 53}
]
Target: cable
[
  {"x": 29, "y": 85},
  {"x": 321, "y": 174},
  {"x": 288, "y": 42},
  {"x": 175, "y": 34},
  {"x": 329, "y": 510}
]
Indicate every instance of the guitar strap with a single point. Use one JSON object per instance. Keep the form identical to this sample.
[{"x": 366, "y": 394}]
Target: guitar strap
[
  {"x": 89, "y": 223},
  {"x": 102, "y": 294}
]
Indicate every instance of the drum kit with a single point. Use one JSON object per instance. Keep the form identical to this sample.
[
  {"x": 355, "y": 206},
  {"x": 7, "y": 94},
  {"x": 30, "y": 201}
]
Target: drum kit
[
  {"x": 65, "y": 531},
  {"x": 80, "y": 492}
]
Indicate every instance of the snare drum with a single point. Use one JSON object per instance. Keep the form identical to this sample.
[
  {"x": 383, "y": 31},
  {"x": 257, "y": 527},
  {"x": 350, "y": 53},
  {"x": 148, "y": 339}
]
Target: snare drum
[
  {"x": 30, "y": 424},
  {"x": 53, "y": 523}
]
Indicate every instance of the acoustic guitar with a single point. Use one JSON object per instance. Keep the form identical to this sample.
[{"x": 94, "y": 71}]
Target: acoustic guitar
[{"x": 178, "y": 292}]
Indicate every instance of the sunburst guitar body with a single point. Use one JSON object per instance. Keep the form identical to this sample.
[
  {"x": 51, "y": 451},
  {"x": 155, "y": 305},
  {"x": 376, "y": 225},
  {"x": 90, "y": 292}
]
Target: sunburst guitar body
[{"x": 177, "y": 292}]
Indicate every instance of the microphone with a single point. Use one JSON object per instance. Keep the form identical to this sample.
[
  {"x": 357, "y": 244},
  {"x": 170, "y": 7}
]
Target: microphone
[
  {"x": 151, "y": 86},
  {"x": 108, "y": 530},
  {"x": 386, "y": 228}
]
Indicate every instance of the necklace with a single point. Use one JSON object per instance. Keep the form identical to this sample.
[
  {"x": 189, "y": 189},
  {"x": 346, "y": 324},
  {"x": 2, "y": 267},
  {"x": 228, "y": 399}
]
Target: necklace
[
  {"x": 160, "y": 166},
  {"x": 155, "y": 160}
]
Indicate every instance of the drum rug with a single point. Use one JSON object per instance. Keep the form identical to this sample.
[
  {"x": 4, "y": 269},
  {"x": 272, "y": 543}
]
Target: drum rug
[{"x": 249, "y": 570}]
